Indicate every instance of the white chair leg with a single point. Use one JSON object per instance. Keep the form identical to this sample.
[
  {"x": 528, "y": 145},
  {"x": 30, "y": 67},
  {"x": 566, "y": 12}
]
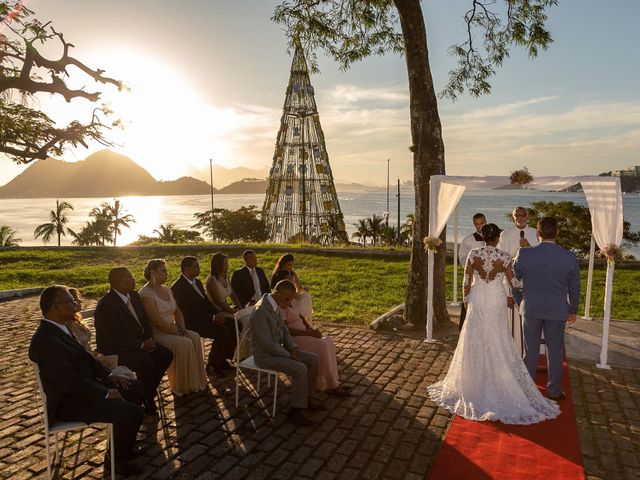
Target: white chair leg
[
  {"x": 48, "y": 447},
  {"x": 275, "y": 395},
  {"x": 237, "y": 385},
  {"x": 113, "y": 450}
]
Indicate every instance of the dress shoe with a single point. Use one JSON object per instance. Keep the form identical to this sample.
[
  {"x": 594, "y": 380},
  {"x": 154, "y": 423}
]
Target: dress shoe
[
  {"x": 123, "y": 467},
  {"x": 298, "y": 417},
  {"x": 339, "y": 391},
  {"x": 315, "y": 404},
  {"x": 560, "y": 396},
  {"x": 215, "y": 371},
  {"x": 151, "y": 409}
]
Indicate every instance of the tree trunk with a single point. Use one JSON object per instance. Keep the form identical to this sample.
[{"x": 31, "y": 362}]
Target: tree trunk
[{"x": 428, "y": 159}]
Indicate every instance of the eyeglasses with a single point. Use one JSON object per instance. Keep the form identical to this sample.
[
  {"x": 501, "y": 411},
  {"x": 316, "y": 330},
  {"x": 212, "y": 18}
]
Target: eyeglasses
[{"x": 73, "y": 302}]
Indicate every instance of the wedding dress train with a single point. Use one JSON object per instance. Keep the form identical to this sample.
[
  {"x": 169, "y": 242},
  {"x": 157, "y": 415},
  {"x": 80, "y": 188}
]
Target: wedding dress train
[{"x": 487, "y": 379}]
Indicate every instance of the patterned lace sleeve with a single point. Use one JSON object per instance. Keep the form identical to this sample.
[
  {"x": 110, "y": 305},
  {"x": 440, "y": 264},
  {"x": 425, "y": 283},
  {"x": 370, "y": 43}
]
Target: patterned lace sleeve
[
  {"x": 508, "y": 266},
  {"x": 468, "y": 274}
]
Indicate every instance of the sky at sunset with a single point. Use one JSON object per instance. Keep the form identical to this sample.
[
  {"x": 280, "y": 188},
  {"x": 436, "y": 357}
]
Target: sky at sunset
[{"x": 208, "y": 78}]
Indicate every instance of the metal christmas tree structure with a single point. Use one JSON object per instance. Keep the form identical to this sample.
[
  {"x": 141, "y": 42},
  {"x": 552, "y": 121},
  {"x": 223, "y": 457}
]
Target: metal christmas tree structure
[{"x": 301, "y": 204}]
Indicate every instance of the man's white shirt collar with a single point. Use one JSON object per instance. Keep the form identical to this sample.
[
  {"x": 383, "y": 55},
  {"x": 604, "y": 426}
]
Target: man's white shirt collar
[
  {"x": 273, "y": 303},
  {"x": 125, "y": 298},
  {"x": 192, "y": 282},
  {"x": 59, "y": 325}
]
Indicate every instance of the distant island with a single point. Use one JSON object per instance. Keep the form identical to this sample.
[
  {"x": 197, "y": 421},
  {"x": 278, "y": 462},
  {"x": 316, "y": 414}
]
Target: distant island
[{"x": 109, "y": 174}]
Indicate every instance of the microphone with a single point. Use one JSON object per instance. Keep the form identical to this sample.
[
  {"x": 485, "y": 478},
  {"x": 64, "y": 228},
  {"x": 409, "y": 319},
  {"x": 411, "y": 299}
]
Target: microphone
[{"x": 521, "y": 233}]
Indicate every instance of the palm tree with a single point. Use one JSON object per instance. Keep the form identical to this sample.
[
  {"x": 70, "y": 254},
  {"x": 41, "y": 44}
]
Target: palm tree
[
  {"x": 406, "y": 230},
  {"x": 362, "y": 231},
  {"x": 93, "y": 233},
  {"x": 375, "y": 224},
  {"x": 119, "y": 219},
  {"x": 8, "y": 237},
  {"x": 57, "y": 225},
  {"x": 168, "y": 233}
]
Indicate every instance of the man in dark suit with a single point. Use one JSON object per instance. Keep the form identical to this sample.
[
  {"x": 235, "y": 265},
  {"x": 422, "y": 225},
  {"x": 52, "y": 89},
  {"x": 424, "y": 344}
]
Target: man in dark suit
[
  {"x": 549, "y": 300},
  {"x": 249, "y": 282},
  {"x": 202, "y": 316},
  {"x": 122, "y": 329},
  {"x": 77, "y": 386}
]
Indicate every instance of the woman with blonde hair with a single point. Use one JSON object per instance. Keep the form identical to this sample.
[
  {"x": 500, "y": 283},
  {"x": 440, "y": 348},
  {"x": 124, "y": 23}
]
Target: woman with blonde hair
[{"x": 186, "y": 372}]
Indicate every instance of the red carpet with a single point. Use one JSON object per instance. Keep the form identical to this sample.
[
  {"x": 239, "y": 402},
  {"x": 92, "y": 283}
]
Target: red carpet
[{"x": 492, "y": 450}]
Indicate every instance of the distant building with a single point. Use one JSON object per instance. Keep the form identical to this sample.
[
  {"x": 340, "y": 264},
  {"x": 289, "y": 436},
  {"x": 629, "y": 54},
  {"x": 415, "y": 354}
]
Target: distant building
[{"x": 628, "y": 172}]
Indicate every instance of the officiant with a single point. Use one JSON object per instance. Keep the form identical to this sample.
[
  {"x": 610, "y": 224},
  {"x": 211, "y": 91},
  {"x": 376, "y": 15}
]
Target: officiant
[{"x": 469, "y": 243}]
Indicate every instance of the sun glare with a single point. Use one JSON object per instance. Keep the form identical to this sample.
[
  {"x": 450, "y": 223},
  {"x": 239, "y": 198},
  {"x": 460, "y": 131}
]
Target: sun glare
[{"x": 167, "y": 125}]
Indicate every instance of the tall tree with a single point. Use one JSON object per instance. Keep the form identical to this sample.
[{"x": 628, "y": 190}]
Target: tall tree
[
  {"x": 351, "y": 30},
  {"x": 362, "y": 231},
  {"x": 27, "y": 133},
  {"x": 119, "y": 219},
  {"x": 8, "y": 237},
  {"x": 57, "y": 224},
  {"x": 375, "y": 224}
]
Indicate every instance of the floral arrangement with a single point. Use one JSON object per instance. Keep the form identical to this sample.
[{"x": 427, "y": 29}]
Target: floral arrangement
[
  {"x": 611, "y": 251},
  {"x": 521, "y": 177},
  {"x": 432, "y": 243}
]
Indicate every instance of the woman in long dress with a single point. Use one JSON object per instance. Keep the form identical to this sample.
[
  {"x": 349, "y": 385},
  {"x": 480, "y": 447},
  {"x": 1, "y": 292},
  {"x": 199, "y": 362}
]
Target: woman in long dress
[
  {"x": 218, "y": 286},
  {"x": 186, "y": 372},
  {"x": 310, "y": 339},
  {"x": 487, "y": 379},
  {"x": 303, "y": 297}
]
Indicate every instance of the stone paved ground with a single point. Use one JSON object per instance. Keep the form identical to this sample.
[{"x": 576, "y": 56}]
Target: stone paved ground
[{"x": 388, "y": 429}]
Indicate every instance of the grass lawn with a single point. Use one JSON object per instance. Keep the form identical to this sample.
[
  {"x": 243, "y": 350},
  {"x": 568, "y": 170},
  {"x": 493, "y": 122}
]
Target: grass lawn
[{"x": 345, "y": 287}]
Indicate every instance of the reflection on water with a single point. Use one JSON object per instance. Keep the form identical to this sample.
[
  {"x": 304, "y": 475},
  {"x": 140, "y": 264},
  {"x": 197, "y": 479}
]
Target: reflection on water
[{"x": 24, "y": 215}]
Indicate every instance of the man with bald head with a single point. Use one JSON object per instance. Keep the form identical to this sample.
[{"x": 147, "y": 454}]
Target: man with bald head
[{"x": 123, "y": 329}]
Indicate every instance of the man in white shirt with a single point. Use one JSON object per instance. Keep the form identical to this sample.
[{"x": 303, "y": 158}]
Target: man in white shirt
[
  {"x": 469, "y": 243},
  {"x": 511, "y": 241},
  {"x": 520, "y": 236}
]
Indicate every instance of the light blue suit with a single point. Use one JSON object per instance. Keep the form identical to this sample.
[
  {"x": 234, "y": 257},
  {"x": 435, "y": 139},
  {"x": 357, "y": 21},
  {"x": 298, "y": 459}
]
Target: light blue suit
[{"x": 551, "y": 292}]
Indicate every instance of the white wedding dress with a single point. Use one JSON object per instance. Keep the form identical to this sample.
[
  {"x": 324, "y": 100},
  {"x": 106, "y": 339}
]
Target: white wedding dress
[{"x": 487, "y": 379}]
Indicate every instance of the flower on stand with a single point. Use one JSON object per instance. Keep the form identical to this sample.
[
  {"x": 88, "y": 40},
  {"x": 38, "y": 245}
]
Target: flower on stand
[
  {"x": 521, "y": 177},
  {"x": 432, "y": 243},
  {"x": 611, "y": 251}
]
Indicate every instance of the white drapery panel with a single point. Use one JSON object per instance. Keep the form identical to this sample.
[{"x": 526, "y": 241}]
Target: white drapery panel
[
  {"x": 604, "y": 197},
  {"x": 448, "y": 195}
]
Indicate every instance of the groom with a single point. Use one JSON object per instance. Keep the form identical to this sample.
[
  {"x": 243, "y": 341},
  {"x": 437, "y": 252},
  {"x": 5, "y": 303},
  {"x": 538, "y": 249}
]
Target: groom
[{"x": 549, "y": 300}]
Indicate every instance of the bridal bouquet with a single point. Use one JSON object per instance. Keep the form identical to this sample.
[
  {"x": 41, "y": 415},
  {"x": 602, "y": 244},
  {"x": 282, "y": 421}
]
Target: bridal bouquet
[
  {"x": 521, "y": 177},
  {"x": 432, "y": 243}
]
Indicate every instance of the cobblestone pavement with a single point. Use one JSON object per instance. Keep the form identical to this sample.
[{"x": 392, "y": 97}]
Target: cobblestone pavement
[{"x": 388, "y": 429}]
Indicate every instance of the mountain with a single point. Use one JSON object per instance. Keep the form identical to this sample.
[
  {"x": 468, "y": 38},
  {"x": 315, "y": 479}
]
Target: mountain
[
  {"x": 245, "y": 186},
  {"x": 225, "y": 176},
  {"x": 102, "y": 174}
]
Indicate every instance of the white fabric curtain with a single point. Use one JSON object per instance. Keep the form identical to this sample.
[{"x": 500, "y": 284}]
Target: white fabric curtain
[
  {"x": 604, "y": 197},
  {"x": 446, "y": 196}
]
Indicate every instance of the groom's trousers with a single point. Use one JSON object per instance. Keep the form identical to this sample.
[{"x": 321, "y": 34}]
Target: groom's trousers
[{"x": 554, "y": 339}]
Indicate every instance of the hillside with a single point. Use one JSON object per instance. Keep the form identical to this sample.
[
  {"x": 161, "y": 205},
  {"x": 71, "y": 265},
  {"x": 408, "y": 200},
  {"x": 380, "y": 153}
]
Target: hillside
[{"x": 102, "y": 174}]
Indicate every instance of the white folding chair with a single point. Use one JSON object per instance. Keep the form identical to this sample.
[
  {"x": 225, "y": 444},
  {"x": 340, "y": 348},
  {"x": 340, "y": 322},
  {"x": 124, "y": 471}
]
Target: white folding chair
[
  {"x": 57, "y": 427},
  {"x": 250, "y": 364}
]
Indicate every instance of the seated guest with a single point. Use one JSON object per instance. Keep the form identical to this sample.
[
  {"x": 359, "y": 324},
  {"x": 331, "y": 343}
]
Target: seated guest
[
  {"x": 201, "y": 316},
  {"x": 303, "y": 298},
  {"x": 77, "y": 325},
  {"x": 186, "y": 372},
  {"x": 249, "y": 282},
  {"x": 218, "y": 286},
  {"x": 273, "y": 348},
  {"x": 77, "y": 386},
  {"x": 122, "y": 329},
  {"x": 310, "y": 339}
]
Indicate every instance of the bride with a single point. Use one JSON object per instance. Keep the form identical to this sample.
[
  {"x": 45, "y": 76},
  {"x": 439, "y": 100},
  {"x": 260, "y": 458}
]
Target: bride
[{"x": 487, "y": 379}]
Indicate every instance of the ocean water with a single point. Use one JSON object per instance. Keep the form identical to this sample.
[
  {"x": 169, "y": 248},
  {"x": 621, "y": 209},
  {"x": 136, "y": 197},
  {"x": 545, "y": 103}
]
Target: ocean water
[{"x": 24, "y": 215}]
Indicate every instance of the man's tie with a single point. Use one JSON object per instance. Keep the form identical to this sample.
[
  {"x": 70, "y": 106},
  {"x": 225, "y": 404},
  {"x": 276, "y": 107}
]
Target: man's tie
[
  {"x": 195, "y": 287},
  {"x": 133, "y": 312}
]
